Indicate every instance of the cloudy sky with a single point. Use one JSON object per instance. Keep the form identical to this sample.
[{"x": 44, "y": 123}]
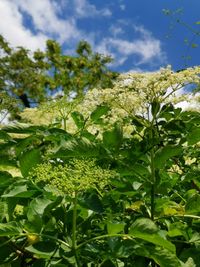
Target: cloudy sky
[{"x": 135, "y": 33}]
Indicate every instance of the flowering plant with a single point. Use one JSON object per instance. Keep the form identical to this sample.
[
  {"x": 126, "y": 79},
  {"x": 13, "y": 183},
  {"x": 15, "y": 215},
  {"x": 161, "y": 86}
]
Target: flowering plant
[{"x": 112, "y": 180}]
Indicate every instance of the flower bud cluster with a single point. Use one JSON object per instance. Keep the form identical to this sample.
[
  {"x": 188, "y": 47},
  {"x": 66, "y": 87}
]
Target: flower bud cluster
[{"x": 76, "y": 176}]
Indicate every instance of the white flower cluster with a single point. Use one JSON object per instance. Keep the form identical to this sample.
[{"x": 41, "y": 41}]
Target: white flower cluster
[
  {"x": 161, "y": 84},
  {"x": 132, "y": 94}
]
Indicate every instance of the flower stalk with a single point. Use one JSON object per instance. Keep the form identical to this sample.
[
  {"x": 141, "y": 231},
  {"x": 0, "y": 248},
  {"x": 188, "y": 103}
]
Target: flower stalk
[{"x": 74, "y": 230}]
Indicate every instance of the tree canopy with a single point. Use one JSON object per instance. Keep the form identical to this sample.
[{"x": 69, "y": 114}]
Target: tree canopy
[{"x": 33, "y": 76}]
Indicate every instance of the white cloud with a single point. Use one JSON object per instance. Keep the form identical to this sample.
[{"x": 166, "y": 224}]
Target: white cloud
[
  {"x": 122, "y": 7},
  {"x": 191, "y": 102},
  {"x": 11, "y": 27},
  {"x": 59, "y": 22},
  {"x": 116, "y": 30},
  {"x": 84, "y": 9},
  {"x": 45, "y": 19},
  {"x": 184, "y": 98},
  {"x": 146, "y": 47},
  {"x": 48, "y": 19}
]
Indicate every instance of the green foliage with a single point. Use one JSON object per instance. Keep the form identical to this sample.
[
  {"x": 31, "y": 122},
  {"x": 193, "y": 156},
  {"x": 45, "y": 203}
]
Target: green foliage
[
  {"x": 82, "y": 199},
  {"x": 61, "y": 212},
  {"x": 30, "y": 77}
]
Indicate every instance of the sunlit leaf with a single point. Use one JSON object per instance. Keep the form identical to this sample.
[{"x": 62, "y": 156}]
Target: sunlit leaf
[
  {"x": 193, "y": 204},
  {"x": 98, "y": 112},
  {"x": 78, "y": 119},
  {"x": 19, "y": 191},
  {"x": 28, "y": 160},
  {"x": 37, "y": 207},
  {"x": 194, "y": 136},
  {"x": 115, "y": 227},
  {"x": 146, "y": 229},
  {"x": 165, "y": 258},
  {"x": 166, "y": 153},
  {"x": 10, "y": 229}
]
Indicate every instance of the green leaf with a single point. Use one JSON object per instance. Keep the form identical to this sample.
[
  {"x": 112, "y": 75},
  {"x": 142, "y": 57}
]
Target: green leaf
[
  {"x": 10, "y": 229},
  {"x": 155, "y": 107},
  {"x": 138, "y": 121},
  {"x": 21, "y": 128},
  {"x": 165, "y": 258},
  {"x": 113, "y": 138},
  {"x": 78, "y": 148},
  {"x": 43, "y": 249},
  {"x": 107, "y": 263},
  {"x": 28, "y": 160},
  {"x": 115, "y": 227},
  {"x": 143, "y": 225},
  {"x": 190, "y": 253},
  {"x": 5, "y": 179},
  {"x": 4, "y": 135},
  {"x": 193, "y": 205},
  {"x": 35, "y": 214},
  {"x": 19, "y": 191},
  {"x": 88, "y": 135},
  {"x": 98, "y": 112},
  {"x": 3, "y": 210},
  {"x": 175, "y": 230},
  {"x": 25, "y": 142},
  {"x": 140, "y": 169},
  {"x": 147, "y": 230},
  {"x": 175, "y": 126},
  {"x": 165, "y": 153},
  {"x": 92, "y": 202},
  {"x": 194, "y": 136},
  {"x": 37, "y": 207},
  {"x": 78, "y": 119},
  {"x": 5, "y": 160},
  {"x": 57, "y": 265}
]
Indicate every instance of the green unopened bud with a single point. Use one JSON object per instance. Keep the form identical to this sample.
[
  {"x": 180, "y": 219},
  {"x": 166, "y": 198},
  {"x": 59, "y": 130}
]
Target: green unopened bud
[{"x": 76, "y": 176}]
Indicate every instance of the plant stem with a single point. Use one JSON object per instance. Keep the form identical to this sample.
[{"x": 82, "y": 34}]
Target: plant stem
[
  {"x": 65, "y": 124},
  {"x": 74, "y": 222},
  {"x": 127, "y": 236},
  {"x": 74, "y": 247},
  {"x": 152, "y": 185},
  {"x": 152, "y": 167}
]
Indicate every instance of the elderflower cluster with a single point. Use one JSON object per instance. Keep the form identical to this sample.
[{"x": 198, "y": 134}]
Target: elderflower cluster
[
  {"x": 50, "y": 112},
  {"x": 134, "y": 92},
  {"x": 131, "y": 95},
  {"x": 76, "y": 176},
  {"x": 123, "y": 103},
  {"x": 175, "y": 169},
  {"x": 36, "y": 117},
  {"x": 189, "y": 161},
  {"x": 159, "y": 85}
]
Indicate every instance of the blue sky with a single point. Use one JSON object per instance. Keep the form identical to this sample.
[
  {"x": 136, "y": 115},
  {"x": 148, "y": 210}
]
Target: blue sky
[{"x": 135, "y": 33}]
